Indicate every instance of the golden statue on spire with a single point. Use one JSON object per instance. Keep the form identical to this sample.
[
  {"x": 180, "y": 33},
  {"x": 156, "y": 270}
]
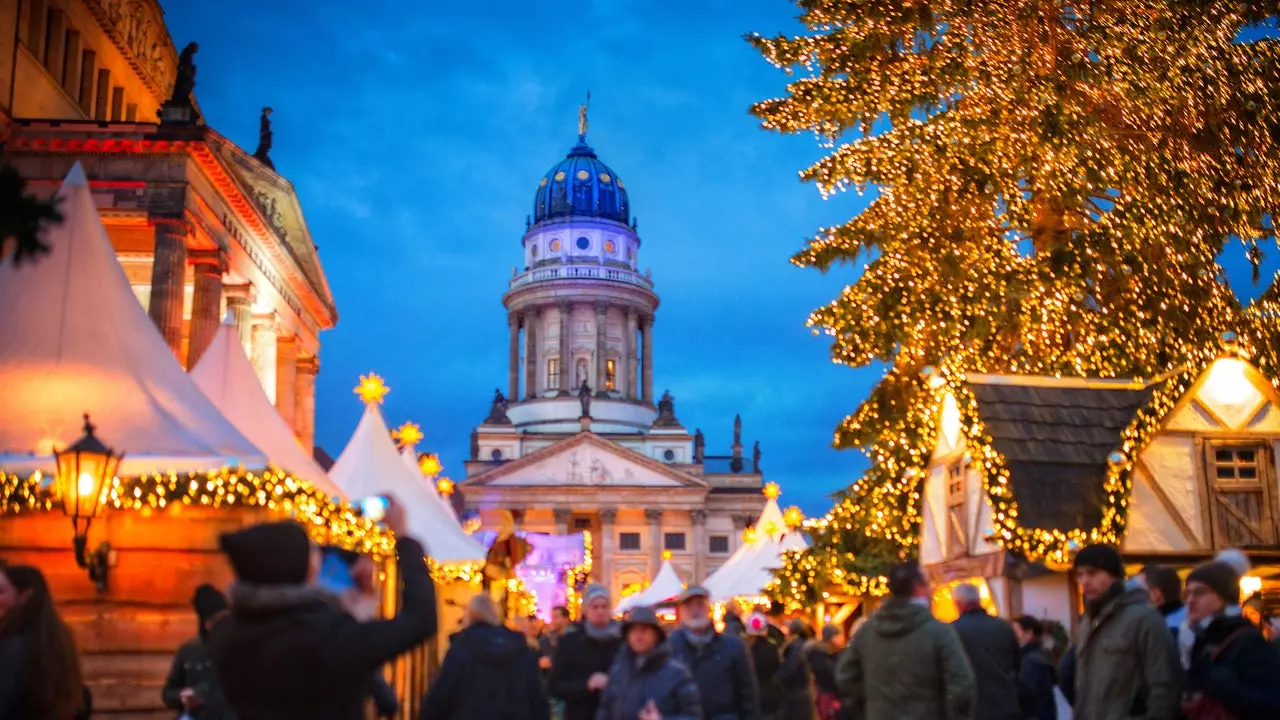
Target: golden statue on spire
[{"x": 582, "y": 117}]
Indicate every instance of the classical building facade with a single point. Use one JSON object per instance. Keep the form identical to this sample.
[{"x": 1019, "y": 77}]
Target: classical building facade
[
  {"x": 578, "y": 442},
  {"x": 201, "y": 226}
]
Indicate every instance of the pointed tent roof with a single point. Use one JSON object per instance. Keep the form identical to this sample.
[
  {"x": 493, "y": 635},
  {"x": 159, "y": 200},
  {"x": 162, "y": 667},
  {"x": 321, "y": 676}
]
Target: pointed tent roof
[
  {"x": 750, "y": 568},
  {"x": 371, "y": 465},
  {"x": 76, "y": 340},
  {"x": 410, "y": 456},
  {"x": 226, "y": 377},
  {"x": 665, "y": 586}
]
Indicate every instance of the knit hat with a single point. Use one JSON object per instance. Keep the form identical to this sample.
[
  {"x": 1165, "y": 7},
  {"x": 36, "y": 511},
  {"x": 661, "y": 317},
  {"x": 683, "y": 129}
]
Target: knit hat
[
  {"x": 276, "y": 553},
  {"x": 643, "y": 615},
  {"x": 797, "y": 628},
  {"x": 1101, "y": 557},
  {"x": 208, "y": 601},
  {"x": 593, "y": 591},
  {"x": 693, "y": 591},
  {"x": 830, "y": 632},
  {"x": 1222, "y": 575},
  {"x": 757, "y": 625}
]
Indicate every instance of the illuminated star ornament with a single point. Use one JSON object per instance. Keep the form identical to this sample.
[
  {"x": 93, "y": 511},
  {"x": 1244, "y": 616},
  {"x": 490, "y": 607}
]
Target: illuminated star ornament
[
  {"x": 772, "y": 491},
  {"x": 429, "y": 464},
  {"x": 444, "y": 486},
  {"x": 793, "y": 516},
  {"x": 371, "y": 389},
  {"x": 407, "y": 435}
]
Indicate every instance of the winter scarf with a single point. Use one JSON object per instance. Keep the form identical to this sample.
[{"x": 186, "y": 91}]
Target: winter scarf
[
  {"x": 1188, "y": 632},
  {"x": 609, "y": 632}
]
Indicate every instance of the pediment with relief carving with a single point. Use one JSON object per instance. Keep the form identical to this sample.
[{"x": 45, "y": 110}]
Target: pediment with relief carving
[
  {"x": 585, "y": 461},
  {"x": 138, "y": 29}
]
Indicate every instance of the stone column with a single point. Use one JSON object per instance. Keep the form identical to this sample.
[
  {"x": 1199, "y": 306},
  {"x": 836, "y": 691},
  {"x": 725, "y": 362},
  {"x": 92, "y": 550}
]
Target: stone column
[
  {"x": 602, "y": 358},
  {"x": 562, "y": 516},
  {"x": 206, "y": 304},
  {"x": 566, "y": 347},
  {"x": 287, "y": 379},
  {"x": 263, "y": 353},
  {"x": 605, "y": 543},
  {"x": 647, "y": 390},
  {"x": 700, "y": 550},
  {"x": 168, "y": 280},
  {"x": 240, "y": 305},
  {"x": 304, "y": 417},
  {"x": 654, "y": 516},
  {"x": 627, "y": 364},
  {"x": 513, "y": 359},
  {"x": 531, "y": 354}
]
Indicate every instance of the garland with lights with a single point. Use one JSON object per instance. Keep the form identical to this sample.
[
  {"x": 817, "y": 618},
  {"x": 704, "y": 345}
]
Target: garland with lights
[
  {"x": 326, "y": 521},
  {"x": 1053, "y": 193}
]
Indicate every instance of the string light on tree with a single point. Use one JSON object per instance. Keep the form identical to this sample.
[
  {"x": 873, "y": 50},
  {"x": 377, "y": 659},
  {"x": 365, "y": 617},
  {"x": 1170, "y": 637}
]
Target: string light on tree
[{"x": 1053, "y": 192}]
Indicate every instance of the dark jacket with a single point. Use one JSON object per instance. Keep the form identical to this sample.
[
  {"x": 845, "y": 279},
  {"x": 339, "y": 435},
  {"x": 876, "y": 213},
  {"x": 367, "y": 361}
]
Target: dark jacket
[
  {"x": 294, "y": 651},
  {"x": 1245, "y": 675},
  {"x": 992, "y": 649},
  {"x": 766, "y": 658},
  {"x": 1036, "y": 677},
  {"x": 726, "y": 682},
  {"x": 905, "y": 665},
  {"x": 822, "y": 663},
  {"x": 634, "y": 681},
  {"x": 1125, "y": 661},
  {"x": 578, "y": 657},
  {"x": 489, "y": 673},
  {"x": 797, "y": 683},
  {"x": 193, "y": 669},
  {"x": 733, "y": 625},
  {"x": 12, "y": 676}
]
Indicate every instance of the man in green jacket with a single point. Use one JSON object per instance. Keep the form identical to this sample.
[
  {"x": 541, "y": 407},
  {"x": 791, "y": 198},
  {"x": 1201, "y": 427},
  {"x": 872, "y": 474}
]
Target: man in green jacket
[
  {"x": 904, "y": 664},
  {"x": 1126, "y": 664}
]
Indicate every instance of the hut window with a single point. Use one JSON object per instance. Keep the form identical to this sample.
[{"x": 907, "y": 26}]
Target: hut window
[
  {"x": 957, "y": 510},
  {"x": 1241, "y": 477}
]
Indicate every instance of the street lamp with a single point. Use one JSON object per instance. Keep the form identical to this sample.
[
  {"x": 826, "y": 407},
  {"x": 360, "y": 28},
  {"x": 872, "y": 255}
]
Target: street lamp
[{"x": 84, "y": 472}]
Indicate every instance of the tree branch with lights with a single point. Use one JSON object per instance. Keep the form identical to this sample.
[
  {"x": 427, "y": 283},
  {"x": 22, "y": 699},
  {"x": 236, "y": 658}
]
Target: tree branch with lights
[{"x": 1054, "y": 185}]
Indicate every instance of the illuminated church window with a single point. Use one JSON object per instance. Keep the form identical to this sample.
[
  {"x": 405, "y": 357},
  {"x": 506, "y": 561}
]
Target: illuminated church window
[
  {"x": 610, "y": 374},
  {"x": 553, "y": 374}
]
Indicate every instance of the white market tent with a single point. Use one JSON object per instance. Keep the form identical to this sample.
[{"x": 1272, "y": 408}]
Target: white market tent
[
  {"x": 76, "y": 340},
  {"x": 665, "y": 586},
  {"x": 410, "y": 456},
  {"x": 750, "y": 568},
  {"x": 370, "y": 465},
  {"x": 226, "y": 377}
]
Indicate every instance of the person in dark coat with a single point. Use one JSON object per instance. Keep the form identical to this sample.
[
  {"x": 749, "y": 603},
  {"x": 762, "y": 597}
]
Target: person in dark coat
[
  {"x": 822, "y": 655},
  {"x": 992, "y": 649},
  {"x": 1036, "y": 673},
  {"x": 795, "y": 677},
  {"x": 733, "y": 624},
  {"x": 489, "y": 673},
  {"x": 290, "y": 649},
  {"x": 580, "y": 667},
  {"x": 719, "y": 662},
  {"x": 40, "y": 674},
  {"x": 1231, "y": 663},
  {"x": 766, "y": 658},
  {"x": 644, "y": 682},
  {"x": 192, "y": 687}
]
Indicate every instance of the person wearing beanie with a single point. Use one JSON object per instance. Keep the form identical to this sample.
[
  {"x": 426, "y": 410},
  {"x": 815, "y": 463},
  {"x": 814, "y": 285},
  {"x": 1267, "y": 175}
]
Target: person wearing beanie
[
  {"x": 766, "y": 659},
  {"x": 192, "y": 687},
  {"x": 580, "y": 665},
  {"x": 289, "y": 648},
  {"x": 821, "y": 655},
  {"x": 1124, "y": 662},
  {"x": 794, "y": 676},
  {"x": 718, "y": 661},
  {"x": 646, "y": 683},
  {"x": 1230, "y": 664}
]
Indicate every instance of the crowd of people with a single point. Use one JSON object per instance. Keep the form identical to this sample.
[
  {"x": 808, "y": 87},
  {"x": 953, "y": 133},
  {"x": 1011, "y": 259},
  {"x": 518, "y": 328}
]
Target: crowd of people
[{"x": 278, "y": 645}]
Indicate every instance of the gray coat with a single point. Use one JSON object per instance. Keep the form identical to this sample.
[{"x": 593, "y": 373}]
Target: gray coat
[
  {"x": 726, "y": 680},
  {"x": 992, "y": 649},
  {"x": 1125, "y": 658},
  {"x": 635, "y": 681}
]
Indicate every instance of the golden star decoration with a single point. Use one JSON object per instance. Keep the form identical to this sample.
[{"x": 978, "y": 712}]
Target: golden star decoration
[
  {"x": 794, "y": 517},
  {"x": 429, "y": 464},
  {"x": 772, "y": 491},
  {"x": 407, "y": 435},
  {"x": 372, "y": 389},
  {"x": 444, "y": 486}
]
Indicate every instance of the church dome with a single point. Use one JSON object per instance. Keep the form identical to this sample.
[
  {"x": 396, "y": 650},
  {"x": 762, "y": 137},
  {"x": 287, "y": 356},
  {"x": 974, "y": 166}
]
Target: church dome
[{"x": 581, "y": 186}]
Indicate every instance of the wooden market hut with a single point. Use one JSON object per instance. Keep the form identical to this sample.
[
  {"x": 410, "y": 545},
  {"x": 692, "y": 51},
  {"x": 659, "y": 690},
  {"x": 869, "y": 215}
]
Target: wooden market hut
[{"x": 76, "y": 342}]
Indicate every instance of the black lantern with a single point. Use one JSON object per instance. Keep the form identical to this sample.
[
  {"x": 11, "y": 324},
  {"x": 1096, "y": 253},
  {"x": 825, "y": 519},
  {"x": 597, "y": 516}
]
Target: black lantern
[{"x": 85, "y": 471}]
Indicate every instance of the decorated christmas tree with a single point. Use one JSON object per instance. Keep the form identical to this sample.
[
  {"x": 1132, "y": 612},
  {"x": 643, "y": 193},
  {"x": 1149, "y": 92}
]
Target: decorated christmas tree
[{"x": 1052, "y": 186}]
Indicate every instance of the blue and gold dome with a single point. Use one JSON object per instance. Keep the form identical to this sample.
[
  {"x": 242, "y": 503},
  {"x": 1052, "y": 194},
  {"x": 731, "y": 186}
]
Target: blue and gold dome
[{"x": 581, "y": 186}]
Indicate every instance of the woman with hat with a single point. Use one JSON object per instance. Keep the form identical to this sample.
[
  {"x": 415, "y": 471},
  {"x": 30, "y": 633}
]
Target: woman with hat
[
  {"x": 1231, "y": 666},
  {"x": 645, "y": 682},
  {"x": 192, "y": 687}
]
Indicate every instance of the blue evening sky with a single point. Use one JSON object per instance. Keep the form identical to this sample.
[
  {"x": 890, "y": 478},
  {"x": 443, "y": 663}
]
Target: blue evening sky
[{"x": 416, "y": 133}]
